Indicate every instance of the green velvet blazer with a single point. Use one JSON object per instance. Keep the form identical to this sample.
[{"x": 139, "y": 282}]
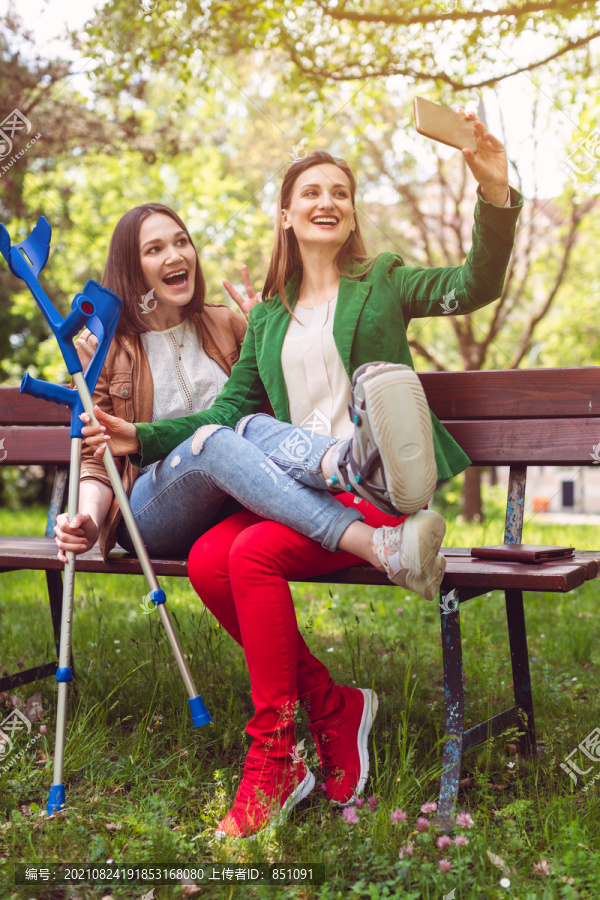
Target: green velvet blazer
[{"x": 371, "y": 318}]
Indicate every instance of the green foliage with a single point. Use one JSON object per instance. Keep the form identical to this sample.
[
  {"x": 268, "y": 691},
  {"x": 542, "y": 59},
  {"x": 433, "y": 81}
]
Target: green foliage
[
  {"x": 61, "y": 124},
  {"x": 569, "y": 334},
  {"x": 22, "y": 486},
  {"x": 430, "y": 44},
  {"x": 214, "y": 145}
]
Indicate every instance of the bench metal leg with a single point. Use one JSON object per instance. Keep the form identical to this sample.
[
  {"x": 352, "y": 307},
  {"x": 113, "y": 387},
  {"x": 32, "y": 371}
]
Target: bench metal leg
[
  {"x": 55, "y": 596},
  {"x": 515, "y": 615},
  {"x": 28, "y": 675},
  {"x": 454, "y": 700},
  {"x": 55, "y": 591}
]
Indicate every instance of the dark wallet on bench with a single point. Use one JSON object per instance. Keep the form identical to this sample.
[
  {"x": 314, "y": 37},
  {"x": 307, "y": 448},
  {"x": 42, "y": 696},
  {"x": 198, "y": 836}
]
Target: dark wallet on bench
[{"x": 525, "y": 553}]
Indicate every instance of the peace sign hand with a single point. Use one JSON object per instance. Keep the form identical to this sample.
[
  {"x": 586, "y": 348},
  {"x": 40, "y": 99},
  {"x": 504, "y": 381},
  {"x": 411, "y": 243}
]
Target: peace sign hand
[{"x": 245, "y": 304}]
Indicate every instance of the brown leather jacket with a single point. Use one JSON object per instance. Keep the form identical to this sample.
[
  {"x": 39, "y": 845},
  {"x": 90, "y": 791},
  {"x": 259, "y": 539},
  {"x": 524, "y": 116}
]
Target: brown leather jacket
[{"x": 125, "y": 389}]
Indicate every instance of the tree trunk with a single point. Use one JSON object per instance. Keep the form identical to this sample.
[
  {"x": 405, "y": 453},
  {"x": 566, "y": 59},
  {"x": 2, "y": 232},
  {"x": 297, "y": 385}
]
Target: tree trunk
[{"x": 472, "y": 495}]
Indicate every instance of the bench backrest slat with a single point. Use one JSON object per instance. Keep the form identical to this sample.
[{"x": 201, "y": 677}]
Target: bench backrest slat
[
  {"x": 542, "y": 442},
  {"x": 519, "y": 417},
  {"x": 21, "y": 409},
  {"x": 35, "y": 446},
  {"x": 489, "y": 394},
  {"x": 514, "y": 393}
]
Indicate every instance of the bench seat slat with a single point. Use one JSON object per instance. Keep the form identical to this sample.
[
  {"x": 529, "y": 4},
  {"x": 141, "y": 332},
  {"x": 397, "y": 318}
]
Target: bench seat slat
[
  {"x": 462, "y": 571},
  {"x": 588, "y": 559},
  {"x": 485, "y": 576},
  {"x": 40, "y": 553}
]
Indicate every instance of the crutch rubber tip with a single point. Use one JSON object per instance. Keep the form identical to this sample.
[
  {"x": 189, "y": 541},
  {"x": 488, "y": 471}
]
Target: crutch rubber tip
[
  {"x": 56, "y": 800},
  {"x": 200, "y": 714}
]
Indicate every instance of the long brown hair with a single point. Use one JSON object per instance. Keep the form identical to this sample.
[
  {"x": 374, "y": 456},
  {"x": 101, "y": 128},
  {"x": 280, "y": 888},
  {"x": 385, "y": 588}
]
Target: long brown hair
[
  {"x": 286, "y": 259},
  {"x": 123, "y": 272}
]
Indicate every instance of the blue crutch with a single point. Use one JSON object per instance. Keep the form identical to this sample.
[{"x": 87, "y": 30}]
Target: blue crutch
[{"x": 98, "y": 310}]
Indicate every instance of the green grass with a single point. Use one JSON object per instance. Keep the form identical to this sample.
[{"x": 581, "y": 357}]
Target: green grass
[{"x": 154, "y": 796}]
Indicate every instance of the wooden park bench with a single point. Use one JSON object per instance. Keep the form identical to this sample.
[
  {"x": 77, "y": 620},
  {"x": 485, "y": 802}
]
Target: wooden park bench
[{"x": 515, "y": 418}]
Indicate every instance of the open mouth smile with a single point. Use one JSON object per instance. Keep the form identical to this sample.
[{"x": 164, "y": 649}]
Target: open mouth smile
[
  {"x": 325, "y": 221},
  {"x": 177, "y": 280}
]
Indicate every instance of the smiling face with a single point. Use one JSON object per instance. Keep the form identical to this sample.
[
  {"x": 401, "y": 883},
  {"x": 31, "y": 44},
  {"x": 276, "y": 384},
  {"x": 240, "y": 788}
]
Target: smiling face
[
  {"x": 168, "y": 261},
  {"x": 320, "y": 210}
]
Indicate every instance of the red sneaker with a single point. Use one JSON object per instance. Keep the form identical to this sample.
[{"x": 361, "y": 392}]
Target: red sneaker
[
  {"x": 342, "y": 745},
  {"x": 269, "y": 790}
]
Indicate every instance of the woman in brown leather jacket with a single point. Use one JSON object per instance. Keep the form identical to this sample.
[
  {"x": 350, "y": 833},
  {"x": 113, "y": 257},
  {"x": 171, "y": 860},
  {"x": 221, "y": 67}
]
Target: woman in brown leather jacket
[{"x": 125, "y": 386}]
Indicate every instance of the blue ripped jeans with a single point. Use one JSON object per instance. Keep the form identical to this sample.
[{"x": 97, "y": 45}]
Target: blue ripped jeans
[{"x": 269, "y": 467}]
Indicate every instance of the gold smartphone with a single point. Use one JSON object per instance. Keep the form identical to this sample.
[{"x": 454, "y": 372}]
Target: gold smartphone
[{"x": 444, "y": 125}]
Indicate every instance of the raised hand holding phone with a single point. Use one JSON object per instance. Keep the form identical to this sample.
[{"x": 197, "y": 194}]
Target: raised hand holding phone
[
  {"x": 483, "y": 153},
  {"x": 444, "y": 125},
  {"x": 490, "y": 165}
]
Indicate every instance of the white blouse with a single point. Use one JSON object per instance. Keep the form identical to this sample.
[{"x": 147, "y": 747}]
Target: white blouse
[
  {"x": 186, "y": 379},
  {"x": 318, "y": 387}
]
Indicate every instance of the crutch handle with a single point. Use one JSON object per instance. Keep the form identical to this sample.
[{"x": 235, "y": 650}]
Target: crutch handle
[
  {"x": 31, "y": 255},
  {"x": 44, "y": 390},
  {"x": 96, "y": 308}
]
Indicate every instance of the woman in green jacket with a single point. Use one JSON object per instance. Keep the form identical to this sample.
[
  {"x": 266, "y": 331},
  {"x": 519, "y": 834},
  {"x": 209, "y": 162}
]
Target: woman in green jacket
[{"x": 327, "y": 313}]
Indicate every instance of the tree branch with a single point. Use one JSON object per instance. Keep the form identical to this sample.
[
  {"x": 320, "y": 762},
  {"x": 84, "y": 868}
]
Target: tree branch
[
  {"x": 509, "y": 298},
  {"x": 341, "y": 74},
  {"x": 420, "y": 349},
  {"x": 576, "y": 218},
  {"x": 407, "y": 195},
  {"x": 455, "y": 15}
]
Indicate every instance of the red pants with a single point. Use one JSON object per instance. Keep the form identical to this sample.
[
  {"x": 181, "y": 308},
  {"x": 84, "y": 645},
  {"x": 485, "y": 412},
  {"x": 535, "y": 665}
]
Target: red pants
[{"x": 240, "y": 569}]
